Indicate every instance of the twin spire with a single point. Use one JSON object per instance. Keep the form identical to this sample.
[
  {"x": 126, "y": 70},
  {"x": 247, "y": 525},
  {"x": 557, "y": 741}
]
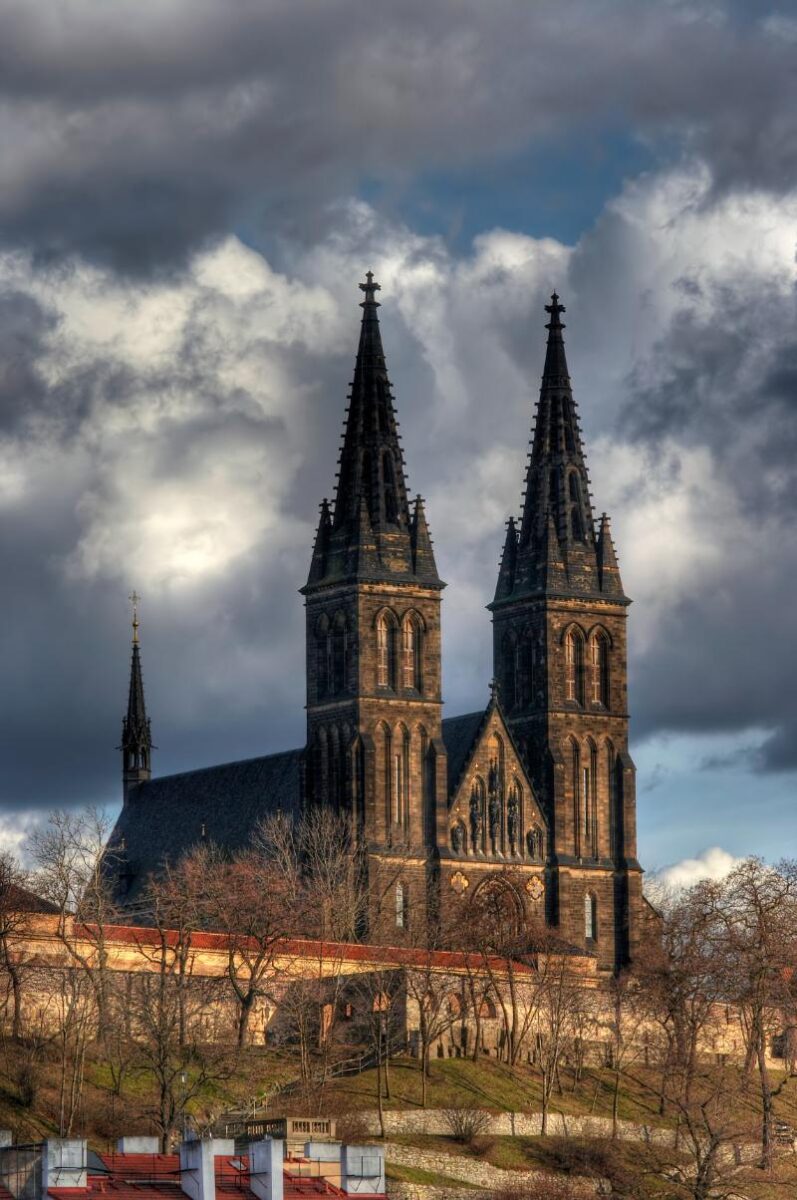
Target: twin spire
[
  {"x": 556, "y": 548},
  {"x": 372, "y": 532}
]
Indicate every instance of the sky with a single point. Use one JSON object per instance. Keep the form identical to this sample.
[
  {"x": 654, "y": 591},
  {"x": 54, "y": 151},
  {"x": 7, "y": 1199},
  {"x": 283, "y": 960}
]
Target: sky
[{"x": 191, "y": 193}]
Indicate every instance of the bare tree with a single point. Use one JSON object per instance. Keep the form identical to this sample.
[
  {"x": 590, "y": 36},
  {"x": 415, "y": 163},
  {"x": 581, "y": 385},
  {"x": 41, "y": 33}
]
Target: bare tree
[
  {"x": 681, "y": 982},
  {"x": 14, "y": 930},
  {"x": 250, "y": 900},
  {"x": 753, "y": 927},
  {"x": 75, "y": 873}
]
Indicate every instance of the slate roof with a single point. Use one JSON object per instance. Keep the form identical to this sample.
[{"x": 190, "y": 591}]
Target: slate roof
[
  {"x": 165, "y": 816},
  {"x": 459, "y": 734},
  {"x": 221, "y": 804}
]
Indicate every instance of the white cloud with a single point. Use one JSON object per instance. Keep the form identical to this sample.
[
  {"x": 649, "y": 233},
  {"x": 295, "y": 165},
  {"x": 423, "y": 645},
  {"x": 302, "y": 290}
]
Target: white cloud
[{"x": 713, "y": 863}]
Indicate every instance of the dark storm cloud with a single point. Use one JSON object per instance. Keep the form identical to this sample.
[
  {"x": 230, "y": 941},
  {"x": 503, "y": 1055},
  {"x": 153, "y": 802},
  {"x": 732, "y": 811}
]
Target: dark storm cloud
[
  {"x": 726, "y": 380},
  {"x": 135, "y": 137}
]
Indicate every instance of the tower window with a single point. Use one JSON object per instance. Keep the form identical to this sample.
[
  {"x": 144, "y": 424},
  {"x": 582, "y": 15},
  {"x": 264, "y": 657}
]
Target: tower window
[
  {"x": 574, "y": 664},
  {"x": 386, "y": 651},
  {"x": 510, "y": 673},
  {"x": 576, "y": 518},
  {"x": 402, "y": 906},
  {"x": 590, "y": 918},
  {"x": 389, "y": 489},
  {"x": 600, "y": 670},
  {"x": 339, "y": 648},
  {"x": 412, "y": 654}
]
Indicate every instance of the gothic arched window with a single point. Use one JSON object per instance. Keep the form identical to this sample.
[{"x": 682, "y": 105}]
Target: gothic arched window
[
  {"x": 576, "y": 520},
  {"x": 526, "y": 674},
  {"x": 401, "y": 906},
  {"x": 389, "y": 489},
  {"x": 412, "y": 653},
  {"x": 614, "y": 785},
  {"x": 590, "y": 918},
  {"x": 574, "y": 664},
  {"x": 386, "y": 637},
  {"x": 509, "y": 671},
  {"x": 339, "y": 655},
  {"x": 323, "y": 656},
  {"x": 401, "y": 777},
  {"x": 600, "y": 669}
]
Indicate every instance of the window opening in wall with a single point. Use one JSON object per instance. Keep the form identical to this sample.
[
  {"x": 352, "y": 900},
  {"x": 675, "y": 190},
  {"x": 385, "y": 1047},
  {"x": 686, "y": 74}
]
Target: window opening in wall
[
  {"x": 590, "y": 918},
  {"x": 586, "y": 806},
  {"x": 574, "y": 663},
  {"x": 401, "y": 906},
  {"x": 600, "y": 670},
  {"x": 577, "y": 526},
  {"x": 389, "y": 490}
]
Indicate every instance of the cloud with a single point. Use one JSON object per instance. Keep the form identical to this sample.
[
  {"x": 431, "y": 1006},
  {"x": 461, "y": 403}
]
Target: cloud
[
  {"x": 713, "y": 863},
  {"x": 177, "y": 433},
  {"x": 138, "y": 142}
]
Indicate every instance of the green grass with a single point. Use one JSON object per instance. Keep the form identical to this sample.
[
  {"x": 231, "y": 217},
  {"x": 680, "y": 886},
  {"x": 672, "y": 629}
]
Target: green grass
[{"x": 402, "y": 1174}]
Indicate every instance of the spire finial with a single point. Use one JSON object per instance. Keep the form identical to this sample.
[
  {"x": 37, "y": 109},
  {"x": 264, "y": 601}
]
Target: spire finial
[
  {"x": 135, "y": 600},
  {"x": 554, "y": 308},
  {"x": 370, "y": 288}
]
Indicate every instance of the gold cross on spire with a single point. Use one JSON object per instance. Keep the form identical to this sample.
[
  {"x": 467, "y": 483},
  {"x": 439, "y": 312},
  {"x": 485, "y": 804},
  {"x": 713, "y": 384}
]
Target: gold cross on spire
[{"x": 135, "y": 600}]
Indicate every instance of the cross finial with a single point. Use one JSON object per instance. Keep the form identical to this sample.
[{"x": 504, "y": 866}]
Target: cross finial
[
  {"x": 554, "y": 308},
  {"x": 370, "y": 288},
  {"x": 135, "y": 600},
  {"x": 493, "y": 689}
]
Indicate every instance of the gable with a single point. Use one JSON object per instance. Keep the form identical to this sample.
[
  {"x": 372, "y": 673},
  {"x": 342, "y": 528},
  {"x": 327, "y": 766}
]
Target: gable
[{"x": 492, "y": 807}]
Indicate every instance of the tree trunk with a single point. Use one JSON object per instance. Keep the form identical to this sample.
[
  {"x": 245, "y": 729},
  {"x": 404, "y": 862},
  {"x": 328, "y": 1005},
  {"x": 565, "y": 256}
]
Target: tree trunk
[
  {"x": 766, "y": 1101},
  {"x": 615, "y": 1101}
]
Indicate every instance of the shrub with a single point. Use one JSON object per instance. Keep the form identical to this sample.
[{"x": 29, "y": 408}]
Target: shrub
[
  {"x": 352, "y": 1127},
  {"x": 465, "y": 1124}
]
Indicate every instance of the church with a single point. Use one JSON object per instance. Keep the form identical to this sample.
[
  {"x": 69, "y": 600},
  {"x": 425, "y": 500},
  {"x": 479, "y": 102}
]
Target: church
[{"x": 535, "y": 794}]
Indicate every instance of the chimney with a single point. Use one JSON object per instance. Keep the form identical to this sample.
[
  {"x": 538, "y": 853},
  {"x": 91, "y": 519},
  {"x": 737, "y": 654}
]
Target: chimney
[
  {"x": 198, "y": 1166},
  {"x": 138, "y": 1145},
  {"x": 64, "y": 1164},
  {"x": 265, "y": 1169},
  {"x": 362, "y": 1170}
]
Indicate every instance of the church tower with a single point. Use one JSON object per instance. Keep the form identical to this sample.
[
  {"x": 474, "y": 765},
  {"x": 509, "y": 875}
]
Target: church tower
[
  {"x": 136, "y": 744},
  {"x": 374, "y": 747},
  {"x": 559, "y": 652}
]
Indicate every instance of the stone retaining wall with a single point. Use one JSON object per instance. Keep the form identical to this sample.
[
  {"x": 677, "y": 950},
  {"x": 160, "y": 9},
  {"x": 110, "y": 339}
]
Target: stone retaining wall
[
  {"x": 433, "y": 1121},
  {"x": 470, "y": 1170}
]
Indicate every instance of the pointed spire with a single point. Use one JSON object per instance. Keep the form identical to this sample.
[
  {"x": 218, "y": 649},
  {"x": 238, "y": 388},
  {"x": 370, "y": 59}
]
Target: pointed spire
[
  {"x": 556, "y": 543},
  {"x": 423, "y": 564},
  {"x": 136, "y": 744},
  {"x": 506, "y": 571},
  {"x": 371, "y": 462},
  {"x": 318, "y": 564},
  {"x": 371, "y": 532},
  {"x": 608, "y": 567}
]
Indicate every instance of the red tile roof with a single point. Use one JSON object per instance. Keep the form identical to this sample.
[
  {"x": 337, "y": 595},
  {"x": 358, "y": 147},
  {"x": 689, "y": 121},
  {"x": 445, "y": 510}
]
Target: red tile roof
[{"x": 157, "y": 1177}]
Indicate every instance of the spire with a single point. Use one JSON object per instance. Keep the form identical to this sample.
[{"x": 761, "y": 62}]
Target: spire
[
  {"x": 608, "y": 567},
  {"x": 318, "y": 565},
  {"x": 371, "y": 532},
  {"x": 371, "y": 462},
  {"x": 506, "y": 571},
  {"x": 557, "y": 550},
  {"x": 136, "y": 744},
  {"x": 423, "y": 563}
]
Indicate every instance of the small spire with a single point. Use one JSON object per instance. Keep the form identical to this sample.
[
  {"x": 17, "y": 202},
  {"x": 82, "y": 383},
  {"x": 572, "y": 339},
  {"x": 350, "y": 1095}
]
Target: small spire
[
  {"x": 135, "y": 600},
  {"x": 494, "y": 690},
  {"x": 136, "y": 744},
  {"x": 423, "y": 563},
  {"x": 506, "y": 571},
  {"x": 608, "y": 567}
]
